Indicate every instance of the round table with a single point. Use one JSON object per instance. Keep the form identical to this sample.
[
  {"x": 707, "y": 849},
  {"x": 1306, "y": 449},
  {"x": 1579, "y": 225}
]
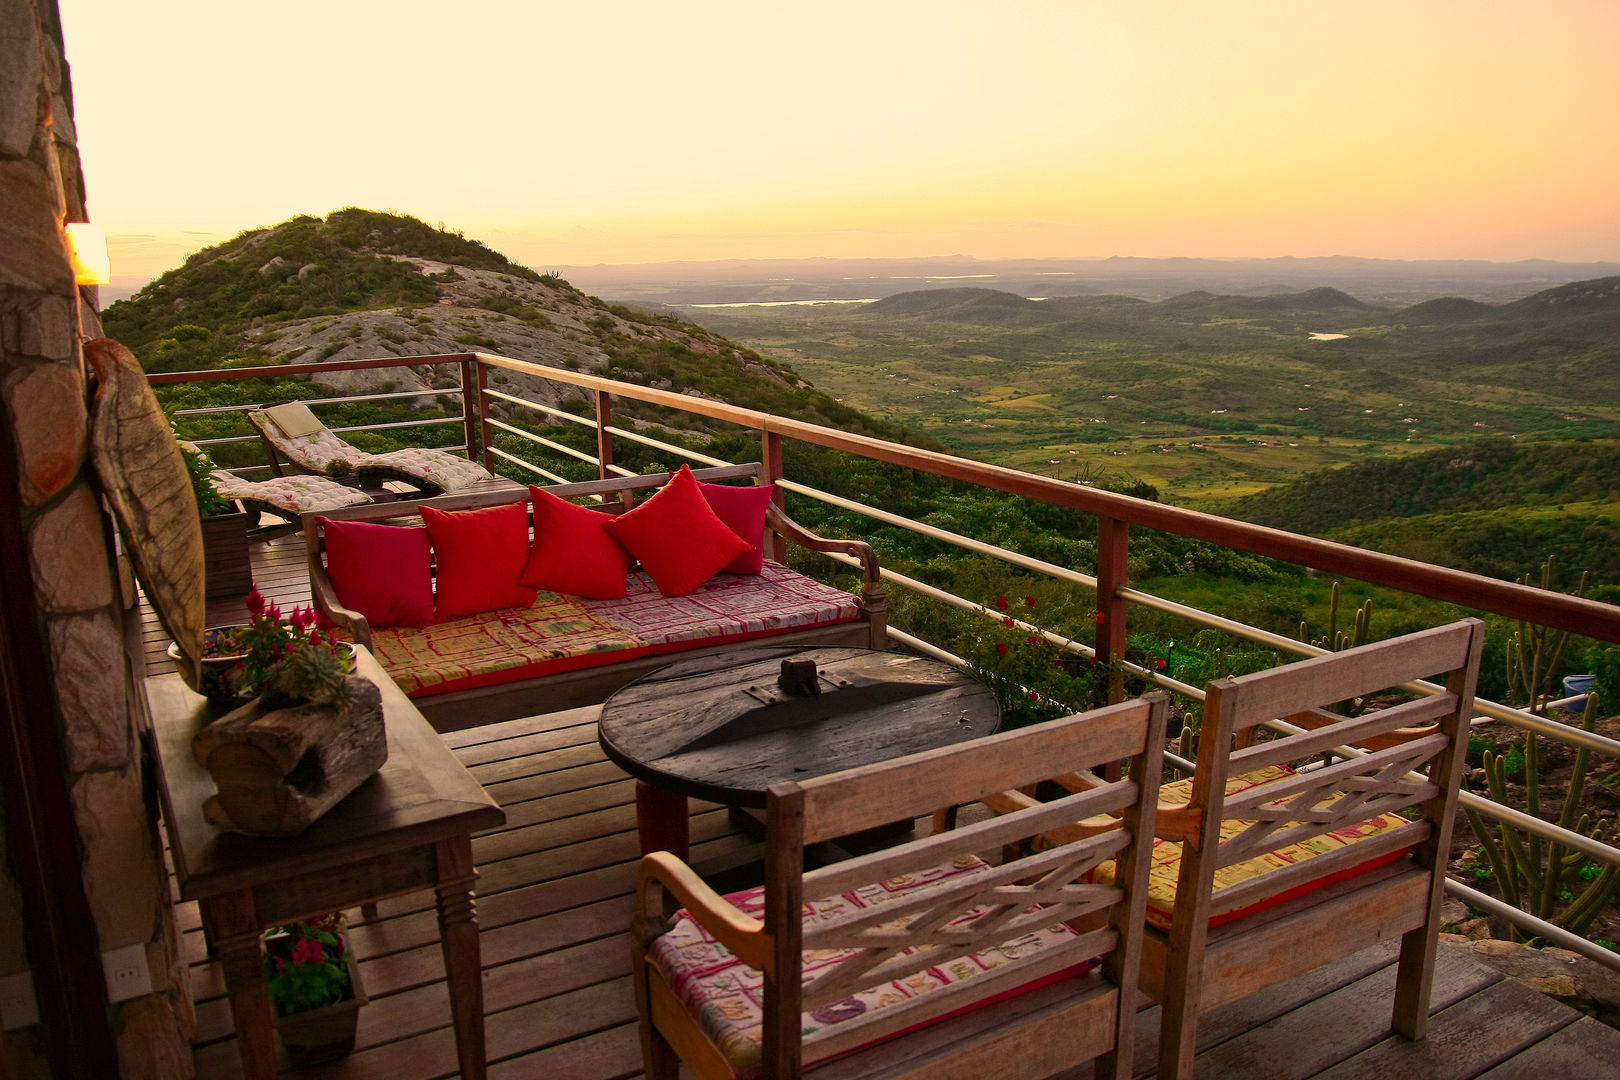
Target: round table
[{"x": 723, "y": 728}]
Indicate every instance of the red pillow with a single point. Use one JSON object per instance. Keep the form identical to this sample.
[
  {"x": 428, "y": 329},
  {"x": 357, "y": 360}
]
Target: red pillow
[
  {"x": 677, "y": 538},
  {"x": 572, "y": 552},
  {"x": 742, "y": 510},
  {"x": 381, "y": 571},
  {"x": 479, "y": 557}
]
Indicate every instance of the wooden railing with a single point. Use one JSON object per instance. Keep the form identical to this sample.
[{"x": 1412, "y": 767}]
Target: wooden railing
[{"x": 1115, "y": 514}]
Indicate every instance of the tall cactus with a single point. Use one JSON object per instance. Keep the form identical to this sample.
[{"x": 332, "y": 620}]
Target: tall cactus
[
  {"x": 1337, "y": 640},
  {"x": 1534, "y": 874}
]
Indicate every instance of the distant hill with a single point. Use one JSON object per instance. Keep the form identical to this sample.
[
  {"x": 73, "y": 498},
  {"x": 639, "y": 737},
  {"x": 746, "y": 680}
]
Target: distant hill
[{"x": 362, "y": 284}]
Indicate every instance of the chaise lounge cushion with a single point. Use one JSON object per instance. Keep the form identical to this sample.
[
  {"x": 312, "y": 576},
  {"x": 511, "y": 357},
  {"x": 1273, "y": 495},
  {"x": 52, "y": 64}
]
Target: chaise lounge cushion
[
  {"x": 572, "y": 551},
  {"x": 566, "y": 633},
  {"x": 382, "y": 571},
  {"x": 677, "y": 538},
  {"x": 479, "y": 557},
  {"x": 1166, "y": 870},
  {"x": 726, "y": 996},
  {"x": 742, "y": 510}
]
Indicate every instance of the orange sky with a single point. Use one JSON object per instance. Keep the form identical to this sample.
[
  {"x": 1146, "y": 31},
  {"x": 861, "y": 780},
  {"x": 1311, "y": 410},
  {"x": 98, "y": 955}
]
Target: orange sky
[{"x": 639, "y": 131}]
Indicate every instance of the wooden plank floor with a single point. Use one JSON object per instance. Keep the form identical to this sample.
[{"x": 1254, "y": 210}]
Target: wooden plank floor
[{"x": 554, "y": 903}]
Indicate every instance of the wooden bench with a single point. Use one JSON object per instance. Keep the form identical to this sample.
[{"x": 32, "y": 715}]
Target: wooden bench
[{"x": 525, "y": 696}]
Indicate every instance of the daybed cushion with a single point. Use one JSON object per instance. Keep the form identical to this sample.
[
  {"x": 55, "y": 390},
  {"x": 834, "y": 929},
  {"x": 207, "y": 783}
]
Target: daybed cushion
[
  {"x": 479, "y": 556},
  {"x": 288, "y": 495},
  {"x": 572, "y": 551},
  {"x": 381, "y": 571},
  {"x": 565, "y": 633},
  {"x": 742, "y": 510},
  {"x": 436, "y": 468},
  {"x": 1166, "y": 871},
  {"x": 676, "y": 536},
  {"x": 726, "y": 997}
]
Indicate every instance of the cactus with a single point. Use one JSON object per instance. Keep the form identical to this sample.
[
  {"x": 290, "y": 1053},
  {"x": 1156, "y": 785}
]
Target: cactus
[
  {"x": 1532, "y": 873},
  {"x": 1337, "y": 640}
]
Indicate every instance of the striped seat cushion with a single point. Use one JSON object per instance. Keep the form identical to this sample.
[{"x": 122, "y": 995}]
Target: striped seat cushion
[
  {"x": 566, "y": 633},
  {"x": 726, "y": 997},
  {"x": 1166, "y": 871}
]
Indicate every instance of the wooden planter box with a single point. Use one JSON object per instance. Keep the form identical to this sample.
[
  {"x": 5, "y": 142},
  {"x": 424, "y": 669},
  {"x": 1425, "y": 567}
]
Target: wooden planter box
[
  {"x": 227, "y": 574},
  {"x": 327, "y": 1033}
]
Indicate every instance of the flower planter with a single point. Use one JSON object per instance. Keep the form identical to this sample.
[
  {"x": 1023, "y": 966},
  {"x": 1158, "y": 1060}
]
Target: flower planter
[
  {"x": 326, "y": 1033},
  {"x": 227, "y": 573},
  {"x": 219, "y": 661}
]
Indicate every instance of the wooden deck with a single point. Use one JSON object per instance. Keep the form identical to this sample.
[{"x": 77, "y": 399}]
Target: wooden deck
[{"x": 555, "y": 896}]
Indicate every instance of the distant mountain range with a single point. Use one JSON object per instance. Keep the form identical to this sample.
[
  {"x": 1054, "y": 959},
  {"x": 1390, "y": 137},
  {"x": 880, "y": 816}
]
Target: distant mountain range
[{"x": 1386, "y": 282}]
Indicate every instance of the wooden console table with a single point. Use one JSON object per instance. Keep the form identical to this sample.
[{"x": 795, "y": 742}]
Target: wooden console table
[{"x": 407, "y": 828}]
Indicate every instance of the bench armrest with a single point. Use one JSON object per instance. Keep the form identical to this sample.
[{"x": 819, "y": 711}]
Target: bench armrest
[
  {"x": 661, "y": 873},
  {"x": 873, "y": 597},
  {"x": 324, "y": 597}
]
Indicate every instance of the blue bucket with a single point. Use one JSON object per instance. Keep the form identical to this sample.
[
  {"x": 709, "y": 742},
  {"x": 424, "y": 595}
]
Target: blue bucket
[{"x": 1576, "y": 687}]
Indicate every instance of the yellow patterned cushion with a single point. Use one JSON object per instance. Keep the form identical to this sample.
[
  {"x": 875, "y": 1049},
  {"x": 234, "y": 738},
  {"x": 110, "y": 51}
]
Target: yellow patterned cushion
[{"x": 1166, "y": 870}]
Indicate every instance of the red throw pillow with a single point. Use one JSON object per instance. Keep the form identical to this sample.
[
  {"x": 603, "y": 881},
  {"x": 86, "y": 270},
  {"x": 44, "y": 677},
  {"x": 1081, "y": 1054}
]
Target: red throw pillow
[
  {"x": 742, "y": 510},
  {"x": 381, "y": 571},
  {"x": 572, "y": 551},
  {"x": 677, "y": 538},
  {"x": 479, "y": 556}
]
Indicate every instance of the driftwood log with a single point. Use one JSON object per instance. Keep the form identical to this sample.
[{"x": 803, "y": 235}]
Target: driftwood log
[{"x": 278, "y": 770}]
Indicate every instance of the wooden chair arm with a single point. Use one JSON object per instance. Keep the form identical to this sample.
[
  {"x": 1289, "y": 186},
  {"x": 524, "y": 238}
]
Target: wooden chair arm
[
  {"x": 324, "y": 597},
  {"x": 857, "y": 549},
  {"x": 662, "y": 872}
]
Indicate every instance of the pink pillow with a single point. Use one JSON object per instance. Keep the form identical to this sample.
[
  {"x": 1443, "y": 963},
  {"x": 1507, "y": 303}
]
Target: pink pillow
[
  {"x": 572, "y": 551},
  {"x": 479, "y": 556},
  {"x": 742, "y": 510},
  {"x": 677, "y": 538},
  {"x": 381, "y": 571}
]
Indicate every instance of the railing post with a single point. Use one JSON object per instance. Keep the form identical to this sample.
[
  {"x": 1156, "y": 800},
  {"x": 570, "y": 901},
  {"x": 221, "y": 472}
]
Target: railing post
[
  {"x": 469, "y": 409},
  {"x": 604, "y": 444},
  {"x": 475, "y": 409},
  {"x": 1113, "y": 561},
  {"x": 770, "y": 456}
]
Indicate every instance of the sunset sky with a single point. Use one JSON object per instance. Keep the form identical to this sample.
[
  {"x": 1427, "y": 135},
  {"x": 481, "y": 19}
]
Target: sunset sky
[{"x": 612, "y": 132}]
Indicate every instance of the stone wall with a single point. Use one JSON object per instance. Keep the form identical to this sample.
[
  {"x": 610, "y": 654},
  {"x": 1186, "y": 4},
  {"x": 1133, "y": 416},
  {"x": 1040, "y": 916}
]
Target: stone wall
[{"x": 71, "y": 555}]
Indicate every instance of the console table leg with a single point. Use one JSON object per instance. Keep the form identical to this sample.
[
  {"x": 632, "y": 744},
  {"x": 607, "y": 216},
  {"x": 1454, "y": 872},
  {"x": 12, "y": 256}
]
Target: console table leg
[
  {"x": 458, "y": 939},
  {"x": 231, "y": 923},
  {"x": 661, "y": 820}
]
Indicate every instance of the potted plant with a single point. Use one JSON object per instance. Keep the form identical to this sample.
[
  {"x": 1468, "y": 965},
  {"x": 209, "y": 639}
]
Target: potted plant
[
  {"x": 312, "y": 735},
  {"x": 227, "y": 571},
  {"x": 315, "y": 989}
]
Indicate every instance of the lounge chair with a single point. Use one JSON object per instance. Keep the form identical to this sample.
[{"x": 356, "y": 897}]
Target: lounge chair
[
  {"x": 286, "y": 497},
  {"x": 292, "y": 432}
]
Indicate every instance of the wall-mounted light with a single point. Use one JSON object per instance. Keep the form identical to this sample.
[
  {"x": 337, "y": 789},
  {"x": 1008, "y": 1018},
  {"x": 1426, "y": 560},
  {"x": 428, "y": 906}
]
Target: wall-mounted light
[{"x": 87, "y": 244}]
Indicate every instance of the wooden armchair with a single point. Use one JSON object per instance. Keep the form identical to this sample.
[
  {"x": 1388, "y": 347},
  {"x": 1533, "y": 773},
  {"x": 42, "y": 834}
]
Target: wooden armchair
[
  {"x": 1262, "y": 872},
  {"x": 922, "y": 960}
]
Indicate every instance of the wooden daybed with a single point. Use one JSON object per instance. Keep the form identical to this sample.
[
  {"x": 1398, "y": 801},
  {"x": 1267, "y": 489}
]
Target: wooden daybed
[{"x": 729, "y": 612}]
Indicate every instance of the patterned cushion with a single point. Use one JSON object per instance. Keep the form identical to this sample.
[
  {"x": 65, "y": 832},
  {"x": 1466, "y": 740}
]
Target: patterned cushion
[
  {"x": 436, "y": 468},
  {"x": 564, "y": 633},
  {"x": 1161, "y": 904},
  {"x": 290, "y": 495},
  {"x": 726, "y": 997}
]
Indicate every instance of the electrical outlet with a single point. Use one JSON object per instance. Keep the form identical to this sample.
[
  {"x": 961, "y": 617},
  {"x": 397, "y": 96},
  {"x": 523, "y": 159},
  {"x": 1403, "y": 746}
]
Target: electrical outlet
[
  {"x": 127, "y": 973},
  {"x": 18, "y": 1006}
]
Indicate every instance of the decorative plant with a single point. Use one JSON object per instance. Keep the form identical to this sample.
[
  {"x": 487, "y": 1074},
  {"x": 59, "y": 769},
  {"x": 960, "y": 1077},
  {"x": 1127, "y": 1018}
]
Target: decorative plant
[
  {"x": 199, "y": 465},
  {"x": 306, "y": 964},
  {"x": 1033, "y": 677},
  {"x": 288, "y": 660}
]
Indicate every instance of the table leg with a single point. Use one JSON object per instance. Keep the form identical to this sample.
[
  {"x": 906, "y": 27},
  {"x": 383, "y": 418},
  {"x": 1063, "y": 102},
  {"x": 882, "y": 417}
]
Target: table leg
[
  {"x": 231, "y": 922},
  {"x": 458, "y": 939},
  {"x": 661, "y": 820}
]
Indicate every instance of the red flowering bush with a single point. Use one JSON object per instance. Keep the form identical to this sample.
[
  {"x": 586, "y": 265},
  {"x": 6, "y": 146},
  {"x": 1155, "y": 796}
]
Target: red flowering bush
[
  {"x": 306, "y": 965},
  {"x": 1033, "y": 677}
]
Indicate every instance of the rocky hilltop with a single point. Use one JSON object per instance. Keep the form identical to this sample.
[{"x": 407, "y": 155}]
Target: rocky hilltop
[{"x": 363, "y": 284}]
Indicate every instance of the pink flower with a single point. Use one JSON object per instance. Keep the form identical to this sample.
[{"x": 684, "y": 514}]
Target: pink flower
[
  {"x": 1158, "y": 662},
  {"x": 1007, "y": 621},
  {"x": 1001, "y": 602},
  {"x": 273, "y": 612},
  {"x": 314, "y": 637},
  {"x": 1032, "y": 640},
  {"x": 1100, "y": 618},
  {"x": 1029, "y": 601},
  {"x": 255, "y": 602},
  {"x": 1002, "y": 649},
  {"x": 1033, "y": 696}
]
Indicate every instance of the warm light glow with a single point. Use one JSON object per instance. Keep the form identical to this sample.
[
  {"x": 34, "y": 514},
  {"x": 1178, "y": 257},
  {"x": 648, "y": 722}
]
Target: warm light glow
[
  {"x": 87, "y": 244},
  {"x": 638, "y": 131}
]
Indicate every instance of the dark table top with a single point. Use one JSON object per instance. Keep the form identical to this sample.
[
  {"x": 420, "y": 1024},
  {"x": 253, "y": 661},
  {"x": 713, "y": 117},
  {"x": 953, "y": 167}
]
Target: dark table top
[
  {"x": 422, "y": 794},
  {"x": 719, "y": 727}
]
